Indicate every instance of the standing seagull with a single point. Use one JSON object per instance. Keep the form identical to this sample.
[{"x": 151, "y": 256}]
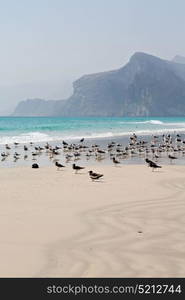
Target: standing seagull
[
  {"x": 77, "y": 168},
  {"x": 115, "y": 161},
  {"x": 154, "y": 166},
  {"x": 59, "y": 166},
  {"x": 64, "y": 143},
  {"x": 95, "y": 176},
  {"x": 7, "y": 147},
  {"x": 171, "y": 157},
  {"x": 148, "y": 161},
  {"x": 35, "y": 166}
]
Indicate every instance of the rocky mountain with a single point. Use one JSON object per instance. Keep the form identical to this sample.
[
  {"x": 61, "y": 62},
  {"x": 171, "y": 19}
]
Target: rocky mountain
[
  {"x": 39, "y": 107},
  {"x": 145, "y": 86}
]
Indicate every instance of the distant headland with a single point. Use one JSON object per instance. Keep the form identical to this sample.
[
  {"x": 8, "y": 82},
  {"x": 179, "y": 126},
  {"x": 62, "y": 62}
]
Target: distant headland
[{"x": 145, "y": 86}]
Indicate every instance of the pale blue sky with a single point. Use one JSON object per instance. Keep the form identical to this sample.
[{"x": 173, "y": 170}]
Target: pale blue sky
[{"x": 46, "y": 44}]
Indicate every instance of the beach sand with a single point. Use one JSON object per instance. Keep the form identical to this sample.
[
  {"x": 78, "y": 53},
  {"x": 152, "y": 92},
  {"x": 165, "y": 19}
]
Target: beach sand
[{"x": 60, "y": 224}]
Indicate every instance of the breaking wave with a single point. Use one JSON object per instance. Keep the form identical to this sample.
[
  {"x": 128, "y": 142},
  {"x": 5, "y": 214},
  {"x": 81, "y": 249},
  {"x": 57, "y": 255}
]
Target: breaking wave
[
  {"x": 154, "y": 122},
  {"x": 38, "y": 137}
]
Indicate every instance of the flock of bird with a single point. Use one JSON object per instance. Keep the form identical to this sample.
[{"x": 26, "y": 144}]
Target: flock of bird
[{"x": 150, "y": 150}]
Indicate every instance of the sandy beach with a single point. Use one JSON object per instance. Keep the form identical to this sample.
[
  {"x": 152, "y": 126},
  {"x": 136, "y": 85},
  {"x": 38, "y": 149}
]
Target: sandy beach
[{"x": 60, "y": 224}]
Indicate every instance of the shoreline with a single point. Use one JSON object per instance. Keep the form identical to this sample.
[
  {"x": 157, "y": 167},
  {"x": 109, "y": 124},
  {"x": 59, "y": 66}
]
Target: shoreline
[
  {"x": 45, "y": 159},
  {"x": 87, "y": 127},
  {"x": 61, "y": 224},
  {"x": 100, "y": 139}
]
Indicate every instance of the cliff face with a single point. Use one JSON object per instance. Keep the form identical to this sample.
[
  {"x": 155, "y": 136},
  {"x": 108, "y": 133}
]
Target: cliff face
[
  {"x": 146, "y": 86},
  {"x": 38, "y": 108}
]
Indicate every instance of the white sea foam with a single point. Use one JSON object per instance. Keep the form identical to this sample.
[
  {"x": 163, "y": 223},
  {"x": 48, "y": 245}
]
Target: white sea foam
[
  {"x": 26, "y": 138},
  {"x": 154, "y": 122},
  {"x": 38, "y": 137},
  {"x": 138, "y": 132}
]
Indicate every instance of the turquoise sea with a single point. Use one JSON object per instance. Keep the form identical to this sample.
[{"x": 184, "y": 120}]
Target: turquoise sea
[{"x": 42, "y": 129}]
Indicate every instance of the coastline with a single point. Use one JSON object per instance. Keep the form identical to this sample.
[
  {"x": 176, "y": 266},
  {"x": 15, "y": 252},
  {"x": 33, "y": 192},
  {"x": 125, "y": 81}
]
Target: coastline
[
  {"x": 54, "y": 129},
  {"x": 61, "y": 224},
  {"x": 44, "y": 160}
]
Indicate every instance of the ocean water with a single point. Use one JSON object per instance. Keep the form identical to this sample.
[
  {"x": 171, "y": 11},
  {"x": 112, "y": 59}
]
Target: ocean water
[{"x": 43, "y": 129}]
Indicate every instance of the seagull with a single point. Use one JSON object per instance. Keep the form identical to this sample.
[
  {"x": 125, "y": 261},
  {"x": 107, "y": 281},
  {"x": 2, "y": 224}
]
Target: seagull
[
  {"x": 57, "y": 148},
  {"x": 115, "y": 161},
  {"x": 35, "y": 166},
  {"x": 171, "y": 157},
  {"x": 77, "y": 168},
  {"x": 34, "y": 154},
  {"x": 76, "y": 154},
  {"x": 68, "y": 156},
  {"x": 55, "y": 152},
  {"x": 59, "y": 166},
  {"x": 7, "y": 147},
  {"x": 16, "y": 154},
  {"x": 154, "y": 166},
  {"x": 148, "y": 161},
  {"x": 64, "y": 143},
  {"x": 95, "y": 176},
  {"x": 101, "y": 151},
  {"x": 4, "y": 154}
]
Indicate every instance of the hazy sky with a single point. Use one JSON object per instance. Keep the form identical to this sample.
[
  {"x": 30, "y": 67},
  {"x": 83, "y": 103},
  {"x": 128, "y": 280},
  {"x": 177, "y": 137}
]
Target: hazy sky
[{"x": 46, "y": 44}]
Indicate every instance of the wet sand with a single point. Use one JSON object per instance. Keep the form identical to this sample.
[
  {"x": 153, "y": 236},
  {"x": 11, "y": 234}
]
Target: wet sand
[{"x": 44, "y": 159}]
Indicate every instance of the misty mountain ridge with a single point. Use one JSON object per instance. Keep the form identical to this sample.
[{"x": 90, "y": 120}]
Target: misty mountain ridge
[
  {"x": 179, "y": 59},
  {"x": 145, "y": 86}
]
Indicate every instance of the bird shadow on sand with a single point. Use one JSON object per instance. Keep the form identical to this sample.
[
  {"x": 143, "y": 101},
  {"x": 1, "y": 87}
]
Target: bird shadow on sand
[
  {"x": 158, "y": 171},
  {"x": 98, "y": 181},
  {"x": 80, "y": 173}
]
